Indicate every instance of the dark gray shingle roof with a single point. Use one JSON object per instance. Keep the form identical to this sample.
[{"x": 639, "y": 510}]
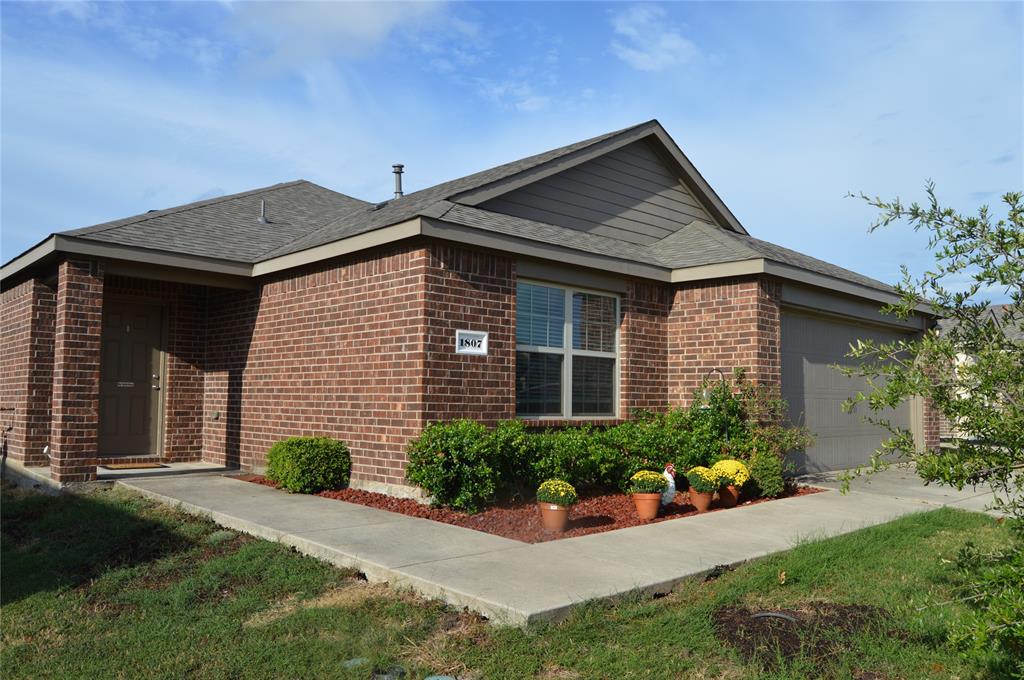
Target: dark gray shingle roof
[
  {"x": 304, "y": 215},
  {"x": 694, "y": 245},
  {"x": 228, "y": 227},
  {"x": 699, "y": 244}
]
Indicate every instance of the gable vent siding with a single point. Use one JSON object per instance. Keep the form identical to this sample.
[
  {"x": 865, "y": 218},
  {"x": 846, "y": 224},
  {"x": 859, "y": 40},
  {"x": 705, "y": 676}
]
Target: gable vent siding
[{"x": 627, "y": 194}]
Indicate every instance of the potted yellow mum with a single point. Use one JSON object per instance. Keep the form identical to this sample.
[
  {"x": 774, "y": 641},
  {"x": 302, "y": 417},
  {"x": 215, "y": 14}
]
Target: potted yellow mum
[
  {"x": 554, "y": 498},
  {"x": 703, "y": 484},
  {"x": 646, "y": 488},
  {"x": 732, "y": 475}
]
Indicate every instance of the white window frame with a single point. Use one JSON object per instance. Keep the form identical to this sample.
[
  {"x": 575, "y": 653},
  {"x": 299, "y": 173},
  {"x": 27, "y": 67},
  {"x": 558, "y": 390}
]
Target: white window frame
[{"x": 567, "y": 352}]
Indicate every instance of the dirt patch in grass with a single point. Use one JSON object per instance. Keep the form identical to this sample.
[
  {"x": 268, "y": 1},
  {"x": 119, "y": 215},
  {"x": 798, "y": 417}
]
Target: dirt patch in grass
[
  {"x": 521, "y": 521},
  {"x": 815, "y": 632},
  {"x": 349, "y": 596},
  {"x": 439, "y": 650}
]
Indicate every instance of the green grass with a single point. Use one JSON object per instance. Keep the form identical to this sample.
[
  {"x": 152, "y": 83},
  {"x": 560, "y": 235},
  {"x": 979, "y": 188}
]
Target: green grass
[{"x": 112, "y": 585}]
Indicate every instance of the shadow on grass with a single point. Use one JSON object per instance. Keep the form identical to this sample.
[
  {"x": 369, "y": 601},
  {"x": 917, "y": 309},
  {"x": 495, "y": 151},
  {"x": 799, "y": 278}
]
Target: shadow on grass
[{"x": 56, "y": 542}]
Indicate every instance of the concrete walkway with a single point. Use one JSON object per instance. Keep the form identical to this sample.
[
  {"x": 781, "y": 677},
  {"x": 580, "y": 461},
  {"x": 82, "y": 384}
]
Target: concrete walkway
[
  {"x": 508, "y": 581},
  {"x": 902, "y": 481}
]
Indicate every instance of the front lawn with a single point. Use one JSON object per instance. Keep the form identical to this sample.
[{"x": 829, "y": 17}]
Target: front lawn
[{"x": 112, "y": 585}]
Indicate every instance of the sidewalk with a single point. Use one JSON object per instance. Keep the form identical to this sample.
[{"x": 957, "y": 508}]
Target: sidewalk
[
  {"x": 902, "y": 481},
  {"x": 510, "y": 582}
]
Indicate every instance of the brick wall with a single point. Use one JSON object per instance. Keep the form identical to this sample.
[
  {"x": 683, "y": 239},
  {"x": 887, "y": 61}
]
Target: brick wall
[
  {"x": 472, "y": 290},
  {"x": 336, "y": 350},
  {"x": 644, "y": 342},
  {"x": 724, "y": 323},
  {"x": 76, "y": 372},
  {"x": 182, "y": 388},
  {"x": 26, "y": 369},
  {"x": 932, "y": 425}
]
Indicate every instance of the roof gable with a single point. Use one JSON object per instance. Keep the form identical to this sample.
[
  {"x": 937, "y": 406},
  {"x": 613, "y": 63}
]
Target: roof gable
[{"x": 630, "y": 193}]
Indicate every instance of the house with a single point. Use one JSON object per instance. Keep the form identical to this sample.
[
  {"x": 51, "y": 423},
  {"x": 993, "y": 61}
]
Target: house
[
  {"x": 1012, "y": 327},
  {"x": 568, "y": 287}
]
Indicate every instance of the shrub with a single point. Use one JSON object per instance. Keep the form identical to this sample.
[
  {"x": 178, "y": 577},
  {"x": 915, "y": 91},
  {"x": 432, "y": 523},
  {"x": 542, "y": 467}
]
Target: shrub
[
  {"x": 454, "y": 463},
  {"x": 558, "y": 492},
  {"x": 309, "y": 464},
  {"x": 766, "y": 469},
  {"x": 702, "y": 479},
  {"x": 731, "y": 471},
  {"x": 513, "y": 450},
  {"x": 580, "y": 455},
  {"x": 647, "y": 481}
]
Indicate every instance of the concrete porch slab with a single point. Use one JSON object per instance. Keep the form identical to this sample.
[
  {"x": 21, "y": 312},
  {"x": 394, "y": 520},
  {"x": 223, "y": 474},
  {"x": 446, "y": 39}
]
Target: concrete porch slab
[{"x": 516, "y": 583}]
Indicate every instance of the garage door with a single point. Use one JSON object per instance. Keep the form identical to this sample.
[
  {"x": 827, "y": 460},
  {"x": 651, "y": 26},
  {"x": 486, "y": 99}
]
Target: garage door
[{"x": 815, "y": 391}]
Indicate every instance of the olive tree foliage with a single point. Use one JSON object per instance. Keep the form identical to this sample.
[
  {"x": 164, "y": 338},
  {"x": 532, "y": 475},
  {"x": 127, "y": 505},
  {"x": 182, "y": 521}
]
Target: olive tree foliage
[{"x": 971, "y": 370}]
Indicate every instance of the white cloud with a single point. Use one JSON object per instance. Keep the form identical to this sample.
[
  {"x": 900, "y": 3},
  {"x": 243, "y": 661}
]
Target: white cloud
[
  {"x": 533, "y": 103},
  {"x": 513, "y": 94},
  {"x": 647, "y": 42},
  {"x": 289, "y": 34}
]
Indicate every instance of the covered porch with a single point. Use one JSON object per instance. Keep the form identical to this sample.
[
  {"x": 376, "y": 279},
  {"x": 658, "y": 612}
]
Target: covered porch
[{"x": 109, "y": 362}]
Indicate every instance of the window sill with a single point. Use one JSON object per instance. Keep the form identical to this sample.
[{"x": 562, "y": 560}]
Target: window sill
[{"x": 571, "y": 422}]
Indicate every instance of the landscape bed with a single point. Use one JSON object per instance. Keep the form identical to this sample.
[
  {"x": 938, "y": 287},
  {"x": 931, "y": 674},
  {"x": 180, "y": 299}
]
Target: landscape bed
[{"x": 521, "y": 521}]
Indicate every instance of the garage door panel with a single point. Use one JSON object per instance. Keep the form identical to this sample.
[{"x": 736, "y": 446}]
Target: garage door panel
[{"x": 815, "y": 391}]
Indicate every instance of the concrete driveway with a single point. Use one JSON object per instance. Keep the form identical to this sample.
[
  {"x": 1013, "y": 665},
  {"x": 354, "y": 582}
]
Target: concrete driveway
[{"x": 901, "y": 481}]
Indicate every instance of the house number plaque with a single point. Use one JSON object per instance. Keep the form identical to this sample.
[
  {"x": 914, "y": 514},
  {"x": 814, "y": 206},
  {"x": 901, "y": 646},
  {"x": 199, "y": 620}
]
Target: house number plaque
[{"x": 471, "y": 342}]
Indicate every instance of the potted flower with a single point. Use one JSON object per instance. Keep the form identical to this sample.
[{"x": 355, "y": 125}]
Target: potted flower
[
  {"x": 732, "y": 475},
  {"x": 554, "y": 498},
  {"x": 703, "y": 484},
  {"x": 646, "y": 488}
]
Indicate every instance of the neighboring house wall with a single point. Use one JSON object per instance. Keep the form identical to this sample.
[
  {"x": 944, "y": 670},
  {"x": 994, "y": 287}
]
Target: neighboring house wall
[
  {"x": 26, "y": 369},
  {"x": 629, "y": 194},
  {"x": 724, "y": 324}
]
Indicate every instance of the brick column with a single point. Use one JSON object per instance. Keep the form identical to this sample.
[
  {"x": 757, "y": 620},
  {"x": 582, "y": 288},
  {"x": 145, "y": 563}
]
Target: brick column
[
  {"x": 931, "y": 423},
  {"x": 724, "y": 324},
  {"x": 76, "y": 371},
  {"x": 643, "y": 353}
]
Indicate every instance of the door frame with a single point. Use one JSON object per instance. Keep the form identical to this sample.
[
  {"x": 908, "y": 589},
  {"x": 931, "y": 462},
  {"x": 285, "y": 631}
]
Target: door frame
[{"x": 159, "y": 403}]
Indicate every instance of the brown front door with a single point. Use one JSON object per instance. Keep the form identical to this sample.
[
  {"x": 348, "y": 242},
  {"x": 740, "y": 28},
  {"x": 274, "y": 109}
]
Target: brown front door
[{"x": 130, "y": 378}]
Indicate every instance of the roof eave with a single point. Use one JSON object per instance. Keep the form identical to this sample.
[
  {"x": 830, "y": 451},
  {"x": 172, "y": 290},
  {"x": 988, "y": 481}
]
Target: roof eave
[{"x": 60, "y": 243}]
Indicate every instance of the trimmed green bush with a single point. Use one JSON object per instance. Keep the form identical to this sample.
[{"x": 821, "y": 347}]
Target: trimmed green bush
[
  {"x": 465, "y": 466},
  {"x": 309, "y": 464},
  {"x": 456, "y": 464},
  {"x": 513, "y": 450},
  {"x": 766, "y": 468}
]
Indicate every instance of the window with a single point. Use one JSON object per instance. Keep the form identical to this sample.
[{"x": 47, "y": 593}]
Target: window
[{"x": 551, "y": 372}]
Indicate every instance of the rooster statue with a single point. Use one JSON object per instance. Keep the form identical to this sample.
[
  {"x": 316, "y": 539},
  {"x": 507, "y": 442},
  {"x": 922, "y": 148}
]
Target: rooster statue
[{"x": 669, "y": 494}]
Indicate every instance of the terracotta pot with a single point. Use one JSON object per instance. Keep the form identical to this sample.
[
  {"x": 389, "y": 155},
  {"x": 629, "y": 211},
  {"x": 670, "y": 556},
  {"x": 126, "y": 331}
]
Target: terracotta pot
[
  {"x": 728, "y": 496},
  {"x": 701, "y": 500},
  {"x": 647, "y": 505},
  {"x": 554, "y": 517}
]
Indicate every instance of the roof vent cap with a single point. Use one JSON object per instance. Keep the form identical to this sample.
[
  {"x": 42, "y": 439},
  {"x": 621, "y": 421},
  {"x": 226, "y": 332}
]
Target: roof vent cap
[
  {"x": 398, "y": 168},
  {"x": 263, "y": 212}
]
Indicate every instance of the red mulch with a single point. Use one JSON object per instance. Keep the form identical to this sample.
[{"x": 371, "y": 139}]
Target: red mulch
[{"x": 521, "y": 521}]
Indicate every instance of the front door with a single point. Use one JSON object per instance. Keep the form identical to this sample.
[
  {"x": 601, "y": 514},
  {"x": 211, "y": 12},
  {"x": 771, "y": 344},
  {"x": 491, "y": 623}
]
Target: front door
[{"x": 130, "y": 378}]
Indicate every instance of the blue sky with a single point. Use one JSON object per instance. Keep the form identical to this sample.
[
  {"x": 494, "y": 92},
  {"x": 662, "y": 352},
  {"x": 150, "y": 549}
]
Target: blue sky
[{"x": 110, "y": 109}]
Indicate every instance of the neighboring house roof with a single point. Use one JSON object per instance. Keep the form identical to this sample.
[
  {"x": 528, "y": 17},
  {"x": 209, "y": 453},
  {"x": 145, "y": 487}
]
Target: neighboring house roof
[
  {"x": 1014, "y": 330},
  {"x": 304, "y": 218}
]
